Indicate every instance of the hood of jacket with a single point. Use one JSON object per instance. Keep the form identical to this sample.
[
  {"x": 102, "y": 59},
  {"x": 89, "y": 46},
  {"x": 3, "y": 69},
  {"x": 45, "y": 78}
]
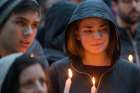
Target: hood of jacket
[
  {"x": 94, "y": 8},
  {"x": 56, "y": 21},
  {"x": 99, "y": 9},
  {"x": 6, "y": 6},
  {"x": 5, "y": 64}
]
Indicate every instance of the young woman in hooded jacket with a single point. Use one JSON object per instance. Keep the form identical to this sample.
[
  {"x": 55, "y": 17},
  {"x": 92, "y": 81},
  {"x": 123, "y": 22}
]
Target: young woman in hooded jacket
[{"x": 93, "y": 46}]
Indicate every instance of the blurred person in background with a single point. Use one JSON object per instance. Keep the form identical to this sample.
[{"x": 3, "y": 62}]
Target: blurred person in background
[
  {"x": 127, "y": 17},
  {"x": 22, "y": 74},
  {"x": 93, "y": 47},
  {"x": 52, "y": 34}
]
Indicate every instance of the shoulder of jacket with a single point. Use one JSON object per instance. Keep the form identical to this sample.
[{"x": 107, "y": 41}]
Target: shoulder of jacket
[
  {"x": 125, "y": 65},
  {"x": 62, "y": 63}
]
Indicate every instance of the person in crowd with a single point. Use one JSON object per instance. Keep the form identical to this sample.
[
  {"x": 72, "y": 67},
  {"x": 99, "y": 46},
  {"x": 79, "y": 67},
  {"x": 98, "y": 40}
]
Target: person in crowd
[
  {"x": 19, "y": 20},
  {"x": 43, "y": 4},
  {"x": 51, "y": 36},
  {"x": 108, "y": 2},
  {"x": 127, "y": 17},
  {"x": 93, "y": 47},
  {"x": 50, "y": 3},
  {"x": 20, "y": 73}
]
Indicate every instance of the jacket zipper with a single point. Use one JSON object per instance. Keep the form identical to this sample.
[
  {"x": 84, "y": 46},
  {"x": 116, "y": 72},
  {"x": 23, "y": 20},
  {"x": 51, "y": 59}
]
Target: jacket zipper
[{"x": 100, "y": 79}]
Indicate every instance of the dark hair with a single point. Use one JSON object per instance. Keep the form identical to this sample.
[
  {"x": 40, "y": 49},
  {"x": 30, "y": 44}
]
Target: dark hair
[
  {"x": 27, "y": 5},
  {"x": 11, "y": 82},
  {"x": 115, "y": 1},
  {"x": 73, "y": 46},
  {"x": 23, "y": 6},
  {"x": 75, "y": 49}
]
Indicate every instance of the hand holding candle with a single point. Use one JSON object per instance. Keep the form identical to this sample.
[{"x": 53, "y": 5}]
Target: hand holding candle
[
  {"x": 68, "y": 82},
  {"x": 93, "y": 88}
]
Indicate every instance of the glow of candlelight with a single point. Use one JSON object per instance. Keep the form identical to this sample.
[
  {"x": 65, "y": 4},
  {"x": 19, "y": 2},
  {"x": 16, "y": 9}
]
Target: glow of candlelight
[
  {"x": 32, "y": 55},
  {"x": 68, "y": 82},
  {"x": 70, "y": 73},
  {"x": 93, "y": 80},
  {"x": 93, "y": 88},
  {"x": 130, "y": 58}
]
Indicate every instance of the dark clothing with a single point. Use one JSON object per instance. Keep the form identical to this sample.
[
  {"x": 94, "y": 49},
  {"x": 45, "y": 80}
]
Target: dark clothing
[
  {"x": 96, "y": 71},
  {"x": 54, "y": 55},
  {"x": 130, "y": 44},
  {"x": 108, "y": 2},
  {"x": 37, "y": 50},
  {"x": 53, "y": 32},
  {"x": 123, "y": 77}
]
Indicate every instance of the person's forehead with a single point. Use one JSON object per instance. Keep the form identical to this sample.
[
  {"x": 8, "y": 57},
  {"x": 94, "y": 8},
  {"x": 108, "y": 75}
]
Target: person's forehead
[
  {"x": 31, "y": 72},
  {"x": 94, "y": 19},
  {"x": 27, "y": 15},
  {"x": 27, "y": 12}
]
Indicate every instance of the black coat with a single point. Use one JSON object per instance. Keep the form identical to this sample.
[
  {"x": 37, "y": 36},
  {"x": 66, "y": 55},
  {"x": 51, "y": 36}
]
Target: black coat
[{"x": 123, "y": 77}]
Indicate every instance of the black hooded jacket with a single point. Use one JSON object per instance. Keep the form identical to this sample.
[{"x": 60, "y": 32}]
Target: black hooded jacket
[
  {"x": 121, "y": 77},
  {"x": 53, "y": 32}
]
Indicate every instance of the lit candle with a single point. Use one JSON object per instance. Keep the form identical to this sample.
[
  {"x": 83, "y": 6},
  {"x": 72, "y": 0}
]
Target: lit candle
[
  {"x": 93, "y": 88},
  {"x": 68, "y": 82},
  {"x": 32, "y": 55},
  {"x": 130, "y": 58}
]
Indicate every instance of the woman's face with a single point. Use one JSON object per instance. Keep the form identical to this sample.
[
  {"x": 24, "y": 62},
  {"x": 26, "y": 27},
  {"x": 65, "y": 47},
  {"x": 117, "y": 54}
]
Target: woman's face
[
  {"x": 94, "y": 35},
  {"x": 33, "y": 80}
]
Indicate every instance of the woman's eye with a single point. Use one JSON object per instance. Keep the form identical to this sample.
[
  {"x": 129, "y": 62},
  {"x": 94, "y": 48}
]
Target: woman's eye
[
  {"x": 42, "y": 81},
  {"x": 87, "y": 31},
  {"x": 104, "y": 30},
  {"x": 28, "y": 84}
]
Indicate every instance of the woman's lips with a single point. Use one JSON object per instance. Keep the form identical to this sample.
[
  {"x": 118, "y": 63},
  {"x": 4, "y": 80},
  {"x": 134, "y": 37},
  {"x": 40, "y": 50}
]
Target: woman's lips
[{"x": 97, "y": 44}]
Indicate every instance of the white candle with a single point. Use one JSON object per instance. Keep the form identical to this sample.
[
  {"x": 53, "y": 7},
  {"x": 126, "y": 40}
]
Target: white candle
[
  {"x": 93, "y": 88},
  {"x": 68, "y": 82},
  {"x": 130, "y": 58}
]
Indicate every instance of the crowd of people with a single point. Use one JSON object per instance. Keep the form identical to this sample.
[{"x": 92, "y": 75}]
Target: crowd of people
[{"x": 69, "y": 46}]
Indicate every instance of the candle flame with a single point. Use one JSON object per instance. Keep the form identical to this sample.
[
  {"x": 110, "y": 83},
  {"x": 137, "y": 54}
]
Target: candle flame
[
  {"x": 70, "y": 73},
  {"x": 93, "y": 80},
  {"x": 130, "y": 58},
  {"x": 32, "y": 55}
]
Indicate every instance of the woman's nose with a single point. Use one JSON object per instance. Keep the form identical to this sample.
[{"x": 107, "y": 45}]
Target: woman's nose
[
  {"x": 39, "y": 87},
  {"x": 96, "y": 34}
]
